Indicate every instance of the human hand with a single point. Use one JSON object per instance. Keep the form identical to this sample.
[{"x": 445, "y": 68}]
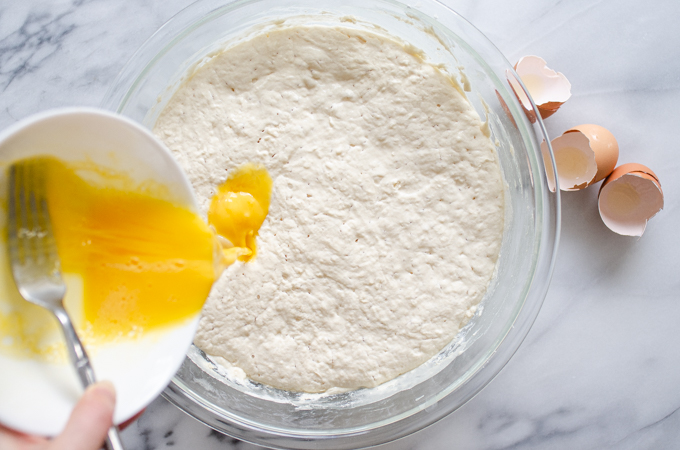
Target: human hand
[{"x": 86, "y": 428}]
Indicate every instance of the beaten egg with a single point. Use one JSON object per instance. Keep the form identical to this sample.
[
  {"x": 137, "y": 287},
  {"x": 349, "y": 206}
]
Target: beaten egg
[
  {"x": 239, "y": 208},
  {"x": 136, "y": 261}
]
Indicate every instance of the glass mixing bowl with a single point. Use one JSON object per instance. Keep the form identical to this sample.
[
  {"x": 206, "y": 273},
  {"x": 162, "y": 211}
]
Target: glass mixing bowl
[{"x": 366, "y": 417}]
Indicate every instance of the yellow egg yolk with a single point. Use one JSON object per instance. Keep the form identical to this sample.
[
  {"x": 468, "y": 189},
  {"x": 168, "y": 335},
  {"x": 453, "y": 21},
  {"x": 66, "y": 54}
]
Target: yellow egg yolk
[
  {"x": 239, "y": 208},
  {"x": 141, "y": 262},
  {"x": 144, "y": 262},
  {"x": 133, "y": 261}
]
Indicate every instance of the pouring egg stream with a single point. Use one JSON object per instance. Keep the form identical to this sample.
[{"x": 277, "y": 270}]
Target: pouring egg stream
[{"x": 137, "y": 262}]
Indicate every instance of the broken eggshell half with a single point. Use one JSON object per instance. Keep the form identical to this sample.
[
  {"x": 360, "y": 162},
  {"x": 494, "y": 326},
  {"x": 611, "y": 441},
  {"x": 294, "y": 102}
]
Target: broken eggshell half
[
  {"x": 584, "y": 155},
  {"x": 549, "y": 89},
  {"x": 628, "y": 198}
]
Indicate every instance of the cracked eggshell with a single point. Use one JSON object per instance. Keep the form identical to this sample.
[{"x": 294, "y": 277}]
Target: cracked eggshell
[
  {"x": 584, "y": 155},
  {"x": 547, "y": 162},
  {"x": 548, "y": 88},
  {"x": 628, "y": 198},
  {"x": 506, "y": 109}
]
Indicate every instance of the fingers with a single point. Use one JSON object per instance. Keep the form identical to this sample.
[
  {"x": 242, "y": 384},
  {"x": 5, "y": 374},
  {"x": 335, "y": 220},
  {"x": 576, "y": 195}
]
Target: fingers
[
  {"x": 90, "y": 420},
  {"x": 12, "y": 439}
]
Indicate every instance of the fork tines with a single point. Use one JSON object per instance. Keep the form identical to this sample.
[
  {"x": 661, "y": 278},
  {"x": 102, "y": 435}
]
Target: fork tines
[{"x": 30, "y": 239}]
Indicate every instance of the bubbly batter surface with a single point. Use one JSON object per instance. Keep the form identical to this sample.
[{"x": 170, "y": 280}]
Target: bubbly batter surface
[{"x": 386, "y": 215}]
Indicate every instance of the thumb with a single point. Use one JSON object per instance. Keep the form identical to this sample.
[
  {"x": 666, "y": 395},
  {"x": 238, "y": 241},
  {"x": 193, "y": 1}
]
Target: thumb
[{"x": 90, "y": 420}]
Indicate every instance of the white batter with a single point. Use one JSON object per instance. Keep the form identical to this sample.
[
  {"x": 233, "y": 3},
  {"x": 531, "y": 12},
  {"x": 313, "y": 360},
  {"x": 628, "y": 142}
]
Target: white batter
[{"x": 387, "y": 209}]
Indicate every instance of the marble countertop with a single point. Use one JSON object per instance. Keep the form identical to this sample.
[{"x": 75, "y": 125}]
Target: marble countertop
[{"x": 601, "y": 365}]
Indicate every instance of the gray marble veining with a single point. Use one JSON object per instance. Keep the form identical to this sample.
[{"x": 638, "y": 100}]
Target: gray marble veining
[{"x": 601, "y": 365}]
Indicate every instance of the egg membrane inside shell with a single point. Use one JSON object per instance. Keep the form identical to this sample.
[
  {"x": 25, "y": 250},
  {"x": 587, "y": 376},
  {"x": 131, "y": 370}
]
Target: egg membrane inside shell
[
  {"x": 548, "y": 88},
  {"x": 627, "y": 203},
  {"x": 575, "y": 161}
]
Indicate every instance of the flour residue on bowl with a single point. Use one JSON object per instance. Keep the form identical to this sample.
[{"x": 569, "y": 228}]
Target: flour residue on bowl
[{"x": 386, "y": 214}]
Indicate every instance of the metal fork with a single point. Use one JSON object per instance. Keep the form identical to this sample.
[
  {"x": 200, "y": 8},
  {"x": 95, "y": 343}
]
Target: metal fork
[{"x": 35, "y": 263}]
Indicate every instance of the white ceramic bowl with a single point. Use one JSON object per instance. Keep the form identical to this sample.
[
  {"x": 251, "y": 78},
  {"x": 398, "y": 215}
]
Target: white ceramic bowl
[
  {"x": 37, "y": 397},
  {"x": 414, "y": 400}
]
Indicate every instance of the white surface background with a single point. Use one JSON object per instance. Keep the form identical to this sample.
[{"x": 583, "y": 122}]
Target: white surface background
[{"x": 600, "y": 367}]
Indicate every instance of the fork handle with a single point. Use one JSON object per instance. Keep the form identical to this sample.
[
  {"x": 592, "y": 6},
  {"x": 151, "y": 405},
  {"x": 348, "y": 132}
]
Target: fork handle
[
  {"x": 113, "y": 441},
  {"x": 81, "y": 362},
  {"x": 76, "y": 350}
]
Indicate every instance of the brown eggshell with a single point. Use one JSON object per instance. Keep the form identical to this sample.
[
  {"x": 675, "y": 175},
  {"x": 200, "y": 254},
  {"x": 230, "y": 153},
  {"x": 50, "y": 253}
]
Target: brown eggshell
[
  {"x": 545, "y": 113},
  {"x": 506, "y": 109},
  {"x": 556, "y": 88},
  {"x": 548, "y": 109},
  {"x": 639, "y": 198},
  {"x": 630, "y": 167},
  {"x": 522, "y": 98},
  {"x": 575, "y": 160},
  {"x": 604, "y": 145},
  {"x": 549, "y": 172}
]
